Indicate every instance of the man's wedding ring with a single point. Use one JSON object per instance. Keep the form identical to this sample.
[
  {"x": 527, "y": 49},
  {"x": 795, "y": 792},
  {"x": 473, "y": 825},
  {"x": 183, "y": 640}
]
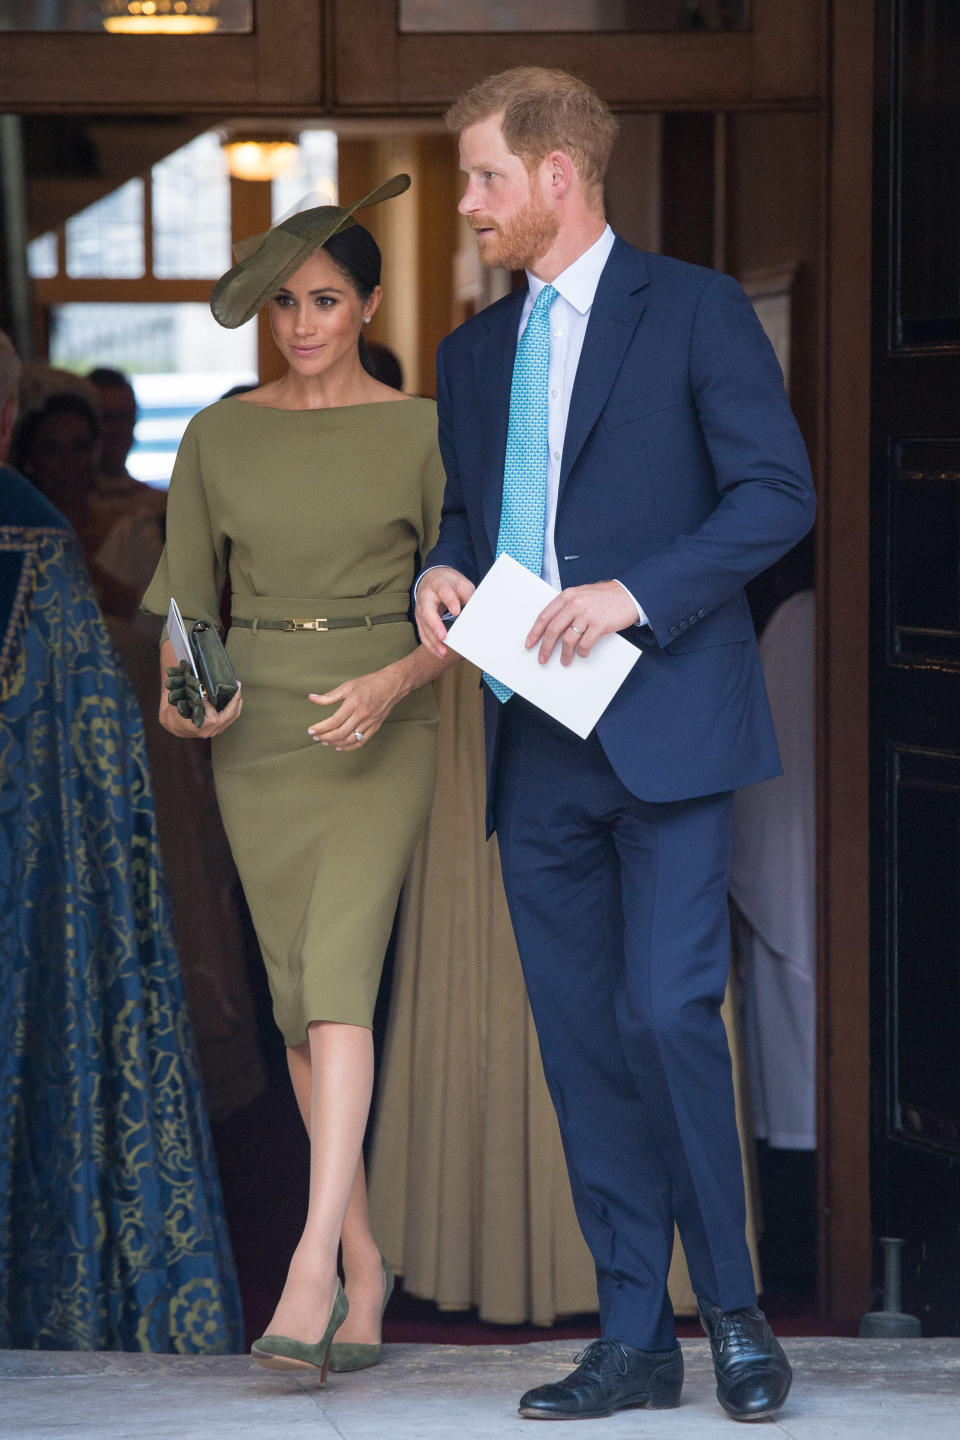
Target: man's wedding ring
[
  {"x": 575, "y": 628},
  {"x": 358, "y": 734}
]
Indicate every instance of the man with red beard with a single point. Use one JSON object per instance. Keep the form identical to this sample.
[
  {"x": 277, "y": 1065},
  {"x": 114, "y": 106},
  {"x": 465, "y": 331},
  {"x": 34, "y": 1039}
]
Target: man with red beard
[{"x": 620, "y": 426}]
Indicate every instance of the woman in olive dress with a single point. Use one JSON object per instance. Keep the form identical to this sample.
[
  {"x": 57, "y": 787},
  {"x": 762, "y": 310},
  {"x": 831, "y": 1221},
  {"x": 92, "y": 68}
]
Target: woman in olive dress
[{"x": 315, "y": 494}]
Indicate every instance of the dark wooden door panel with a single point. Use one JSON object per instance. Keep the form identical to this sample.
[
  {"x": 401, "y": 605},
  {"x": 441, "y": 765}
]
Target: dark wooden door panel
[
  {"x": 927, "y": 235},
  {"x": 915, "y": 655},
  {"x": 923, "y": 1097},
  {"x": 923, "y": 520}
]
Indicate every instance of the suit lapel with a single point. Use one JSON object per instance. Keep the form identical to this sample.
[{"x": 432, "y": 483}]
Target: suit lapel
[
  {"x": 493, "y": 358},
  {"x": 614, "y": 316}
]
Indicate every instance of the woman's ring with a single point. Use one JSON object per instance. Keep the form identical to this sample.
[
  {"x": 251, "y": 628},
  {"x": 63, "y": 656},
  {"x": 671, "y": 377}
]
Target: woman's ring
[
  {"x": 575, "y": 628},
  {"x": 358, "y": 734}
]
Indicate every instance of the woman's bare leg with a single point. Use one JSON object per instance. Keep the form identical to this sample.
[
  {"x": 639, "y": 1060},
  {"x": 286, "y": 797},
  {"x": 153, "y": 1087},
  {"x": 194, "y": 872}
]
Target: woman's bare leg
[
  {"x": 363, "y": 1276},
  {"x": 340, "y": 1059},
  {"x": 364, "y": 1279},
  {"x": 298, "y": 1063}
]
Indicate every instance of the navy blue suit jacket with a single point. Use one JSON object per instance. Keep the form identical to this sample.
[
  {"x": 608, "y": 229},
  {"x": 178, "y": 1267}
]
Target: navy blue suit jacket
[{"x": 683, "y": 475}]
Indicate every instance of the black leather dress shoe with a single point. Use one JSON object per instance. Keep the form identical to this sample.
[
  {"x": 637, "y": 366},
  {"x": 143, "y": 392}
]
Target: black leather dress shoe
[
  {"x": 609, "y": 1377},
  {"x": 753, "y": 1374}
]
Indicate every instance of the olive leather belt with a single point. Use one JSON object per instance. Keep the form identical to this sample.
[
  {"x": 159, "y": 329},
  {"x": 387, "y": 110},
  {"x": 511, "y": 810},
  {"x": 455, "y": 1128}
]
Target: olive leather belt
[{"x": 349, "y": 622}]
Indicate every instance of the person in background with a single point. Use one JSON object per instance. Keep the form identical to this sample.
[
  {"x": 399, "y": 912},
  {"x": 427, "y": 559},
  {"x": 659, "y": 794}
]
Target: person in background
[
  {"x": 111, "y": 1227},
  {"x": 118, "y": 421},
  {"x": 57, "y": 447},
  {"x": 129, "y": 514},
  {"x": 620, "y": 426},
  {"x": 114, "y": 486}
]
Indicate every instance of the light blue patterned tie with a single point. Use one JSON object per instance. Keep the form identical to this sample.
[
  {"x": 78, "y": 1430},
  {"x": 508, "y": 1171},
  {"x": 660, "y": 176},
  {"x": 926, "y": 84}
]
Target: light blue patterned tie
[{"x": 523, "y": 509}]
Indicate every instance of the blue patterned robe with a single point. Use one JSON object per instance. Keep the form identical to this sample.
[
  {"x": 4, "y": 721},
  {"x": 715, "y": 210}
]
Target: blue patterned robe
[{"x": 111, "y": 1227}]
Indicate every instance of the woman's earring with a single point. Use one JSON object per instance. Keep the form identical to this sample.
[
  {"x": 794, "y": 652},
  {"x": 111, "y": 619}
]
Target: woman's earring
[{"x": 367, "y": 319}]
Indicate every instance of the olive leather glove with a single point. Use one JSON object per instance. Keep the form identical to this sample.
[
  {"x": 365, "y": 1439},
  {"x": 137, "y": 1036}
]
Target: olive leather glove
[{"x": 183, "y": 690}]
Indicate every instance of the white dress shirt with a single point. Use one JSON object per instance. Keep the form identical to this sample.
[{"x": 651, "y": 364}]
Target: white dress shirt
[{"x": 576, "y": 287}]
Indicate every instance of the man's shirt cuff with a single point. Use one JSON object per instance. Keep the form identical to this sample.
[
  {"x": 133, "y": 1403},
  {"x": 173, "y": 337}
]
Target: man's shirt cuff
[{"x": 641, "y": 615}]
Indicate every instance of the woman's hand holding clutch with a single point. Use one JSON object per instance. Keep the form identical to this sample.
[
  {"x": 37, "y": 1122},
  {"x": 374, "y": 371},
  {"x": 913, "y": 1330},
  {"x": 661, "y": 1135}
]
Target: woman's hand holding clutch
[{"x": 184, "y": 711}]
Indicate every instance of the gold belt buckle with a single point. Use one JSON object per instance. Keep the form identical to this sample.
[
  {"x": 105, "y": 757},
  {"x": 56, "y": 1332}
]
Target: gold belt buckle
[{"x": 319, "y": 624}]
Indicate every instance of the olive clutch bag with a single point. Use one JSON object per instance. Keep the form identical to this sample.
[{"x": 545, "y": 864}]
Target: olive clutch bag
[
  {"x": 204, "y": 671},
  {"x": 218, "y": 679}
]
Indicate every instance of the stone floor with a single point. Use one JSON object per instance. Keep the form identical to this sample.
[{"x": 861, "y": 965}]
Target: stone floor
[{"x": 843, "y": 1390}]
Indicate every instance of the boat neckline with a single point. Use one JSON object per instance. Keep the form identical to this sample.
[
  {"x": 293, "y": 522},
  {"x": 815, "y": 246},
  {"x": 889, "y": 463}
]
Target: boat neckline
[{"x": 322, "y": 409}]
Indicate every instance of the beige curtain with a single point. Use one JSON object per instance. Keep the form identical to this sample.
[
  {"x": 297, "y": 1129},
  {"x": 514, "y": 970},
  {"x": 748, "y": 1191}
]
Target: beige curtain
[{"x": 469, "y": 1196}]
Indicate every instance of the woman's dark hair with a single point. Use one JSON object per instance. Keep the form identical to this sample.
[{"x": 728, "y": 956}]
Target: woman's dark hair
[
  {"x": 379, "y": 361},
  {"x": 357, "y": 254},
  {"x": 65, "y": 402}
]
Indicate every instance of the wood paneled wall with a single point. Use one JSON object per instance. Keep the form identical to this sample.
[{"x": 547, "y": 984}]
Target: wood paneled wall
[
  {"x": 843, "y": 568},
  {"x": 349, "y": 57}
]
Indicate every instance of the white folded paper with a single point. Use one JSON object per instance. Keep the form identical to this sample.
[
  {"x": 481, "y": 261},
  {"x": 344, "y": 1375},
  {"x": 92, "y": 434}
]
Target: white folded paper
[
  {"x": 491, "y": 629},
  {"x": 177, "y": 634}
]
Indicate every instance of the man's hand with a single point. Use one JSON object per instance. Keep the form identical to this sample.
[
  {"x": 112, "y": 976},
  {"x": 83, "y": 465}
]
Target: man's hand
[
  {"x": 441, "y": 590},
  {"x": 578, "y": 617}
]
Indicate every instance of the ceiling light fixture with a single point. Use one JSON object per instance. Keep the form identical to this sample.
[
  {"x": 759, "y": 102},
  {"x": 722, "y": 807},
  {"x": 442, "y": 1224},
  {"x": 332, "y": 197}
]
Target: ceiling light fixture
[
  {"x": 160, "y": 17},
  {"x": 249, "y": 158}
]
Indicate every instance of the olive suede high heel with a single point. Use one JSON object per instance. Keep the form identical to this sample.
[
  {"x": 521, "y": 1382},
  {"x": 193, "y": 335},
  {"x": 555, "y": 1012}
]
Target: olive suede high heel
[
  {"x": 350, "y": 1355},
  {"x": 279, "y": 1352}
]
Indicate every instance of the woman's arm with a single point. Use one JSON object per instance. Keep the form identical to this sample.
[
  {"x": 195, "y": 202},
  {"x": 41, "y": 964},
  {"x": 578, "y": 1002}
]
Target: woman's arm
[{"x": 364, "y": 703}]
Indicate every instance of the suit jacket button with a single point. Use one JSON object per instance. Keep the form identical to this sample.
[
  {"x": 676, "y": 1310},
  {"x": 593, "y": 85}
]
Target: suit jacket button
[
  {"x": 673, "y": 629},
  {"x": 700, "y": 614},
  {"x": 683, "y": 624}
]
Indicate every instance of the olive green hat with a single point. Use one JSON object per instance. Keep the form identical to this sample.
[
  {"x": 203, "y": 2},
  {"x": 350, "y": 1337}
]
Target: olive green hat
[{"x": 266, "y": 261}]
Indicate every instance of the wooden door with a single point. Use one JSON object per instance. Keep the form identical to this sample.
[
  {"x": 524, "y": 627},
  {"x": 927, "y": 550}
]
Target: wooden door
[{"x": 915, "y": 653}]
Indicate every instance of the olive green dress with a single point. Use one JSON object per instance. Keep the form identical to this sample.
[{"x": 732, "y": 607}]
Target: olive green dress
[{"x": 311, "y": 513}]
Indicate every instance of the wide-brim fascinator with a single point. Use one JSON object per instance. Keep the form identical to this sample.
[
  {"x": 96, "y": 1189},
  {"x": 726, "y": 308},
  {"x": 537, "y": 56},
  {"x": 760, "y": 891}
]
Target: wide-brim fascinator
[{"x": 265, "y": 262}]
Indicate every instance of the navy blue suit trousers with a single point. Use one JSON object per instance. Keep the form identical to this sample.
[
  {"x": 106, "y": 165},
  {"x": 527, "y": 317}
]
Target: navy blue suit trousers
[{"x": 620, "y": 912}]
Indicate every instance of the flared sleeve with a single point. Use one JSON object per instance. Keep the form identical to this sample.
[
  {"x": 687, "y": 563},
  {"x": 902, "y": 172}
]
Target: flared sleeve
[{"x": 193, "y": 566}]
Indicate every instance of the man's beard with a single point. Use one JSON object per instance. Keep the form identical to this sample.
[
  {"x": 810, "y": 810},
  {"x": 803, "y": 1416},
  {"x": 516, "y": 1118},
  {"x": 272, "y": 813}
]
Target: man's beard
[{"x": 521, "y": 240}]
